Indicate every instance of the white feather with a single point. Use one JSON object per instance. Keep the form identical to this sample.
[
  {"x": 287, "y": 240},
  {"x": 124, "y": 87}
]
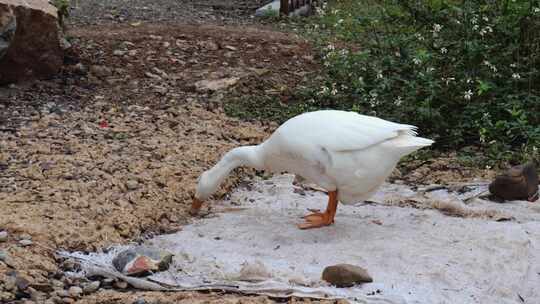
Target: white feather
[{"x": 337, "y": 150}]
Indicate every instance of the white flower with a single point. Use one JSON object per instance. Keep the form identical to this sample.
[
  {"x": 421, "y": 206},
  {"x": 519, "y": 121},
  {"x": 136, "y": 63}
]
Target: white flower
[
  {"x": 475, "y": 27},
  {"x": 468, "y": 95},
  {"x": 330, "y": 47},
  {"x": 398, "y": 101},
  {"x": 340, "y": 21},
  {"x": 416, "y": 61},
  {"x": 444, "y": 50},
  {"x": 437, "y": 28},
  {"x": 516, "y": 76},
  {"x": 469, "y": 80},
  {"x": 485, "y": 18},
  {"x": 430, "y": 69},
  {"x": 513, "y": 65},
  {"x": 334, "y": 91},
  {"x": 536, "y": 10},
  {"x": 379, "y": 75},
  {"x": 474, "y": 20}
]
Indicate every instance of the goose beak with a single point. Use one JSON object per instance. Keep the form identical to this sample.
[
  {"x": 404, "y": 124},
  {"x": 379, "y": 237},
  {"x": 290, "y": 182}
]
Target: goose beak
[{"x": 195, "y": 206}]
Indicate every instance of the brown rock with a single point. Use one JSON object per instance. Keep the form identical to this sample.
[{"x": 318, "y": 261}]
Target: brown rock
[
  {"x": 518, "y": 183},
  {"x": 346, "y": 275},
  {"x": 35, "y": 50}
]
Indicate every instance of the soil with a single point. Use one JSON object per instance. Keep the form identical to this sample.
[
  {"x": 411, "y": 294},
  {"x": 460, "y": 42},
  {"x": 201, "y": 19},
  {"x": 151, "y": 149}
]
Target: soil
[{"x": 109, "y": 151}]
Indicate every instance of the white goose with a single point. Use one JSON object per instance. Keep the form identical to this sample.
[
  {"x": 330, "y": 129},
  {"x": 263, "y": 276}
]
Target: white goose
[{"x": 348, "y": 154}]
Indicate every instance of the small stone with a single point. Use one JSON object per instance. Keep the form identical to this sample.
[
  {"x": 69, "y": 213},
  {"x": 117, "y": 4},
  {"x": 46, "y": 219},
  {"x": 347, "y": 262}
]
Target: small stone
[
  {"x": 231, "y": 48},
  {"x": 68, "y": 300},
  {"x": 3, "y": 236},
  {"x": 6, "y": 258},
  {"x": 36, "y": 296},
  {"x": 10, "y": 283},
  {"x": 75, "y": 291},
  {"x": 22, "y": 283},
  {"x": 91, "y": 287},
  {"x": 100, "y": 71},
  {"x": 215, "y": 85},
  {"x": 107, "y": 282},
  {"x": 346, "y": 275},
  {"x": 140, "y": 301},
  {"x": 62, "y": 293},
  {"x": 132, "y": 184},
  {"x": 121, "y": 284},
  {"x": 209, "y": 45},
  {"x": 119, "y": 53},
  {"x": 24, "y": 243},
  {"x": 25, "y": 236},
  {"x": 80, "y": 68}
]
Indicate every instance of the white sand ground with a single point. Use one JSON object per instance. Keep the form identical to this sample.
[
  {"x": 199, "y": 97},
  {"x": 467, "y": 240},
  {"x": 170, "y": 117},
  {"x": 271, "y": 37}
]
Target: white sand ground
[{"x": 414, "y": 254}]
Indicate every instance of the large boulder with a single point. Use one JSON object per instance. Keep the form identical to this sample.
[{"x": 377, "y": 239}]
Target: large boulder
[{"x": 30, "y": 40}]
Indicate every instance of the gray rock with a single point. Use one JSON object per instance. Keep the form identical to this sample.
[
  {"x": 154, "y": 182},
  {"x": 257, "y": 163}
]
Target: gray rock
[
  {"x": 132, "y": 184},
  {"x": 75, "y": 291},
  {"x": 25, "y": 236},
  {"x": 24, "y": 243},
  {"x": 100, "y": 71},
  {"x": 346, "y": 275},
  {"x": 119, "y": 53},
  {"x": 62, "y": 293},
  {"x": 22, "y": 283},
  {"x": 9, "y": 283},
  {"x": 6, "y": 258},
  {"x": 3, "y": 236},
  {"x": 142, "y": 259},
  {"x": 91, "y": 287},
  {"x": 36, "y": 296},
  {"x": 140, "y": 301}
]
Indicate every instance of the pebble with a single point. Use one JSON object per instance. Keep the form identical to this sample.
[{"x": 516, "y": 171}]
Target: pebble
[
  {"x": 346, "y": 275},
  {"x": 75, "y": 291},
  {"x": 22, "y": 283},
  {"x": 68, "y": 300},
  {"x": 25, "y": 236},
  {"x": 132, "y": 184},
  {"x": 140, "y": 301},
  {"x": 121, "y": 284},
  {"x": 24, "y": 243},
  {"x": 119, "y": 53},
  {"x": 91, "y": 287},
  {"x": 6, "y": 258},
  {"x": 3, "y": 236}
]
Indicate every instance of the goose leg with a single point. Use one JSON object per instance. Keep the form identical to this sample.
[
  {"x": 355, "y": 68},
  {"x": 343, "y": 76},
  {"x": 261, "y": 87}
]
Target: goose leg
[{"x": 326, "y": 218}]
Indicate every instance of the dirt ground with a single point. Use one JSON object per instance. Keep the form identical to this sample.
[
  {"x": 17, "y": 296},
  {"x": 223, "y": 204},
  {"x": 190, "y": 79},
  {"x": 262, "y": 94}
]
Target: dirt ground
[{"x": 109, "y": 151}]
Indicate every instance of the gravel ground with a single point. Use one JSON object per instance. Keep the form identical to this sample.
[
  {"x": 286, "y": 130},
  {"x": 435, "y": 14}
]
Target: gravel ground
[{"x": 164, "y": 11}]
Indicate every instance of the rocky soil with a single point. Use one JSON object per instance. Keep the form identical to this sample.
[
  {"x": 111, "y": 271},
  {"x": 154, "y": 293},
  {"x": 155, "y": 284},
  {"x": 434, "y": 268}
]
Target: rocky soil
[{"x": 109, "y": 151}]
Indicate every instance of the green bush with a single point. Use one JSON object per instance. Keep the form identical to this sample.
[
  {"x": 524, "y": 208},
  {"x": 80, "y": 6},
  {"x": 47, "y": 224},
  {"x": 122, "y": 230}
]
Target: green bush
[{"x": 465, "y": 72}]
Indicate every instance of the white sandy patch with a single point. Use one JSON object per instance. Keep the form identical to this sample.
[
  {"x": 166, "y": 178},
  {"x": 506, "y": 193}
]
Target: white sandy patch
[{"x": 414, "y": 254}]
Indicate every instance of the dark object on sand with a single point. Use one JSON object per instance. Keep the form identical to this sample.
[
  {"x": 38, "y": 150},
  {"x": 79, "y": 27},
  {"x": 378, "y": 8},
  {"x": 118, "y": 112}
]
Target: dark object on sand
[
  {"x": 142, "y": 260},
  {"x": 346, "y": 275},
  {"x": 518, "y": 183}
]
